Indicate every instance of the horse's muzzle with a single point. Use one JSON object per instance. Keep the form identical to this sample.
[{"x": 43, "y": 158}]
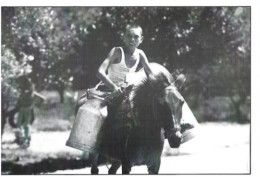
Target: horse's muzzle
[{"x": 175, "y": 139}]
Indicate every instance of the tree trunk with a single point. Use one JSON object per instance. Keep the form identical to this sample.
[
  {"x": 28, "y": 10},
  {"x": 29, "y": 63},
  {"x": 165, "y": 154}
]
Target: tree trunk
[
  {"x": 61, "y": 93},
  {"x": 238, "y": 117},
  {"x": 4, "y": 108}
]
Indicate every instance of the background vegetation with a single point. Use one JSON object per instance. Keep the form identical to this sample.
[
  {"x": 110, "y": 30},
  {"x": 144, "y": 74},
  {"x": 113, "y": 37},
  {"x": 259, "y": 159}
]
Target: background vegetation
[{"x": 61, "y": 49}]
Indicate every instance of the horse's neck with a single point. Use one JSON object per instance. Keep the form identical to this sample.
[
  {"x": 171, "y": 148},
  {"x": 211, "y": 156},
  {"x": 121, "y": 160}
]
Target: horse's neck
[{"x": 144, "y": 106}]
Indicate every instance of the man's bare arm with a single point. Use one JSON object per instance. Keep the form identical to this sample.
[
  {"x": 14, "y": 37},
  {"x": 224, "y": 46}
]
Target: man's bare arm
[
  {"x": 102, "y": 71},
  {"x": 146, "y": 66}
]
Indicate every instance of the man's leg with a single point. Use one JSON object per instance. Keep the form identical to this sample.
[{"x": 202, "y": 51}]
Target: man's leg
[
  {"x": 26, "y": 126},
  {"x": 19, "y": 136}
]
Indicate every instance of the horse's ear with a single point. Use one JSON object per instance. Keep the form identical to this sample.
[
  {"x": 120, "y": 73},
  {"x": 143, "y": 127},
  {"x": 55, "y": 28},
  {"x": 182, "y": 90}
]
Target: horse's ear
[
  {"x": 179, "y": 81},
  {"x": 162, "y": 80}
]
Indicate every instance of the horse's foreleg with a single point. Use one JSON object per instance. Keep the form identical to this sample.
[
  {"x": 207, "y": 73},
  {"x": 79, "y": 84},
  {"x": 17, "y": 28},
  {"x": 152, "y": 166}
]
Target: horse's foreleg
[
  {"x": 126, "y": 169},
  {"x": 115, "y": 165},
  {"x": 94, "y": 162},
  {"x": 126, "y": 166},
  {"x": 154, "y": 167}
]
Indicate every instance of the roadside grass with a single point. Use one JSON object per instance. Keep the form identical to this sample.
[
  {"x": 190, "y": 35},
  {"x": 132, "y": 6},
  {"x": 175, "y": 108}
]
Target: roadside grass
[
  {"x": 56, "y": 116},
  {"x": 53, "y": 115}
]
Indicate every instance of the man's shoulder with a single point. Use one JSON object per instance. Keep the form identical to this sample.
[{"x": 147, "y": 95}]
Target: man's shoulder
[
  {"x": 141, "y": 52},
  {"x": 117, "y": 50},
  {"x": 114, "y": 53},
  {"x": 116, "y": 56}
]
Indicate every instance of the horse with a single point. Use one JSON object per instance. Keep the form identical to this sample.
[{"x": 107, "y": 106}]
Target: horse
[{"x": 138, "y": 139}]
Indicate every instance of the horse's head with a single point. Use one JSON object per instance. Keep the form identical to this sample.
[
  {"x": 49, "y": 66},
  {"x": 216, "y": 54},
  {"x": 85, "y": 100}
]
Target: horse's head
[
  {"x": 160, "y": 99},
  {"x": 169, "y": 107},
  {"x": 174, "y": 101}
]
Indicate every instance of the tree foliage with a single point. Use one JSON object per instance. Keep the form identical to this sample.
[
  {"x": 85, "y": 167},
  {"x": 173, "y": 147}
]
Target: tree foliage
[{"x": 64, "y": 46}]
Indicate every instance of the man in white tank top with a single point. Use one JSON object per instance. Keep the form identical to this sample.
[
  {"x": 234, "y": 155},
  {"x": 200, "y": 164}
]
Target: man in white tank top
[
  {"x": 120, "y": 63},
  {"x": 114, "y": 70},
  {"x": 123, "y": 60}
]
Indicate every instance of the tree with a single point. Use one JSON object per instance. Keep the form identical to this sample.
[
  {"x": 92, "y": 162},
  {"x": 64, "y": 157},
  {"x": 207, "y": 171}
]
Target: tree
[
  {"x": 51, "y": 36},
  {"x": 11, "y": 69},
  {"x": 222, "y": 47},
  {"x": 210, "y": 45}
]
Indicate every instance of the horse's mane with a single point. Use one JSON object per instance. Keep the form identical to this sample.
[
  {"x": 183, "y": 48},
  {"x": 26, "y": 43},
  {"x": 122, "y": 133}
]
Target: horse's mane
[
  {"x": 146, "y": 86},
  {"x": 141, "y": 92},
  {"x": 144, "y": 93}
]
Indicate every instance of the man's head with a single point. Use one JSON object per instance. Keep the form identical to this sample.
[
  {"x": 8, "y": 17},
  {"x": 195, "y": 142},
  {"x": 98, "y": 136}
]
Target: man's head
[{"x": 133, "y": 36}]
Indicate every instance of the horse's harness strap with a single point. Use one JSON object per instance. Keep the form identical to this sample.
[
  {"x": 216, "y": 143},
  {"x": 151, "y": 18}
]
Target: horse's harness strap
[
  {"x": 129, "y": 112},
  {"x": 94, "y": 93}
]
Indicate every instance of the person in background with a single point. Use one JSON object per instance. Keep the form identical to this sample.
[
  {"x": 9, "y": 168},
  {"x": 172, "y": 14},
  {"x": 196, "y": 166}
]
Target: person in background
[{"x": 26, "y": 110}]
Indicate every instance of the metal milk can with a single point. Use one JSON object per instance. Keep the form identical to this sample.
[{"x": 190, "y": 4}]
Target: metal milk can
[{"x": 86, "y": 131}]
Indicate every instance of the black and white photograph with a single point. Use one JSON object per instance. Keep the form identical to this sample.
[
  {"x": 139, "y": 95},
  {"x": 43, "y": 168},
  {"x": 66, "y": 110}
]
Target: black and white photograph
[{"x": 126, "y": 90}]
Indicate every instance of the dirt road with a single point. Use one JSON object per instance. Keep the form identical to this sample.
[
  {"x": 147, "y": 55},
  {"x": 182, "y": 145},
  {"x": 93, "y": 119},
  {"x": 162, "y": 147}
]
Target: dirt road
[{"x": 219, "y": 148}]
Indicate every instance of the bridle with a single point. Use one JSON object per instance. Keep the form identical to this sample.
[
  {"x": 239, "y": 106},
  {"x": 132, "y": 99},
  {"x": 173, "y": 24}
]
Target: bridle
[{"x": 156, "y": 115}]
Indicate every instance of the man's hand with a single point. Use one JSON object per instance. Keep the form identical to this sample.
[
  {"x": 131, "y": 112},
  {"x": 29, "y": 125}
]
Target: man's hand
[
  {"x": 117, "y": 90},
  {"x": 151, "y": 78}
]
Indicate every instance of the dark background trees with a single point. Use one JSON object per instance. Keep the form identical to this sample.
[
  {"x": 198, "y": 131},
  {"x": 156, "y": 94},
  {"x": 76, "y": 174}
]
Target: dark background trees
[{"x": 63, "y": 47}]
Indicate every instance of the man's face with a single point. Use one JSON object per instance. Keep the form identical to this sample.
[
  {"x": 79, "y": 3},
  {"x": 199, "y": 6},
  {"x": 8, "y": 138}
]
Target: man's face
[{"x": 133, "y": 38}]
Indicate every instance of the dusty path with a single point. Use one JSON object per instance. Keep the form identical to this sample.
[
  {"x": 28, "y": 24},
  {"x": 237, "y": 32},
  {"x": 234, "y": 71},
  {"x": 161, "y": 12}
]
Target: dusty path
[{"x": 222, "y": 148}]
